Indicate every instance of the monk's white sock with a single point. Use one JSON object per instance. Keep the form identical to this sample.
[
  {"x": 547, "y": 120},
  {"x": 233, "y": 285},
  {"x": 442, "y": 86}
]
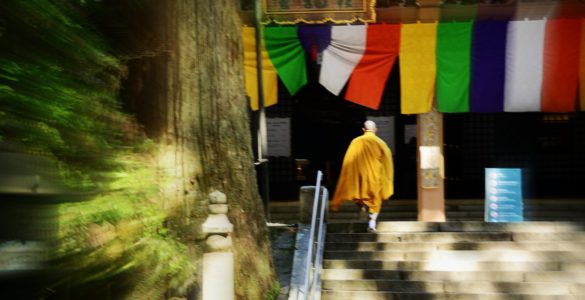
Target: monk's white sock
[{"x": 372, "y": 222}]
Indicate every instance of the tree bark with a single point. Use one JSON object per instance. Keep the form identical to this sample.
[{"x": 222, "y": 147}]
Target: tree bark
[{"x": 186, "y": 88}]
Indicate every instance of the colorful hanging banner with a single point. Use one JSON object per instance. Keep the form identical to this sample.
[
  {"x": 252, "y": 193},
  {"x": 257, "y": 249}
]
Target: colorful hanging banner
[
  {"x": 368, "y": 79},
  {"x": 315, "y": 38},
  {"x": 417, "y": 67},
  {"x": 269, "y": 78},
  {"x": 343, "y": 54},
  {"x": 561, "y": 65},
  {"x": 319, "y": 11},
  {"x": 453, "y": 66},
  {"x": 488, "y": 66},
  {"x": 524, "y": 53},
  {"x": 285, "y": 50}
]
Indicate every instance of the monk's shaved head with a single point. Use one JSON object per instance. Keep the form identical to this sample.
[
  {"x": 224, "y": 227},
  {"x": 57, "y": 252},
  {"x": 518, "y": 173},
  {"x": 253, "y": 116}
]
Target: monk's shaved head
[{"x": 369, "y": 125}]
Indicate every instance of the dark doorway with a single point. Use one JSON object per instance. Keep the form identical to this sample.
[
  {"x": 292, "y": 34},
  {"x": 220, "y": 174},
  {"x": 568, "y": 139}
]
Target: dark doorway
[{"x": 323, "y": 125}]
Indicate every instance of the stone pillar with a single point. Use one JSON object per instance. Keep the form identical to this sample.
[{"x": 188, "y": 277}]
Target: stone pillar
[
  {"x": 431, "y": 188},
  {"x": 218, "y": 262},
  {"x": 307, "y": 197}
]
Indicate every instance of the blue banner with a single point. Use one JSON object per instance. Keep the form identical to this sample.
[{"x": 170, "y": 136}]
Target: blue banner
[{"x": 503, "y": 195}]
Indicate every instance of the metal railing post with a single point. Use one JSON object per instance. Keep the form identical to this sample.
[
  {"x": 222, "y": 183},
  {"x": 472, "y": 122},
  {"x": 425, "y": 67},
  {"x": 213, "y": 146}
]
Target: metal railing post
[
  {"x": 311, "y": 235},
  {"x": 320, "y": 240}
]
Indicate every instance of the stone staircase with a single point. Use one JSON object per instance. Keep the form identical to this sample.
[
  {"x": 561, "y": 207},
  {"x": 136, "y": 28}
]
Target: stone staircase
[
  {"x": 455, "y": 260},
  {"x": 456, "y": 210}
]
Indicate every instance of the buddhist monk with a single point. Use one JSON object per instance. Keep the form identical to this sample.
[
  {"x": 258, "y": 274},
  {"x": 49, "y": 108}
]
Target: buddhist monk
[{"x": 367, "y": 174}]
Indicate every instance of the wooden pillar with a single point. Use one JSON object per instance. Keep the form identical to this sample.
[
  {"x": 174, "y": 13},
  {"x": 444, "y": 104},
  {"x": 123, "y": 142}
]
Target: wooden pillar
[{"x": 431, "y": 188}]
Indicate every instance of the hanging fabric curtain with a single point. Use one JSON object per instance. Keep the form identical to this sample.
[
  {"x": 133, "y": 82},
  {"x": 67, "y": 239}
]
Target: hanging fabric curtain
[
  {"x": 417, "y": 67},
  {"x": 368, "y": 80},
  {"x": 341, "y": 56},
  {"x": 488, "y": 66},
  {"x": 285, "y": 50},
  {"x": 582, "y": 68},
  {"x": 524, "y": 54},
  {"x": 561, "y": 65},
  {"x": 453, "y": 66},
  {"x": 269, "y": 79},
  {"x": 315, "y": 39}
]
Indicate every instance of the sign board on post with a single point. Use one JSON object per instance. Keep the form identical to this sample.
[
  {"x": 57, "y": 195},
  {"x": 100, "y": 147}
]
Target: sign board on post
[
  {"x": 278, "y": 136},
  {"x": 319, "y": 11},
  {"x": 503, "y": 193}
]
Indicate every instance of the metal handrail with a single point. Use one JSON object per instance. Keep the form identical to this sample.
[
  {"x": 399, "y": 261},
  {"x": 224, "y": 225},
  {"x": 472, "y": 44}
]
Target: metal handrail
[
  {"x": 320, "y": 244},
  {"x": 314, "y": 264}
]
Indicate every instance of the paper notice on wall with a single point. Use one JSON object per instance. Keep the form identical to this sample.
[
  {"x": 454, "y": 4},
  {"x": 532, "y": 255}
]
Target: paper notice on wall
[
  {"x": 430, "y": 157},
  {"x": 278, "y": 136},
  {"x": 385, "y": 130},
  {"x": 431, "y": 165}
]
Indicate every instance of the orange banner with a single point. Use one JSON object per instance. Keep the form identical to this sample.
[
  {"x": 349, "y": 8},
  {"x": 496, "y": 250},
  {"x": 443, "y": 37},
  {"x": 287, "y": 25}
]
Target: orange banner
[{"x": 561, "y": 65}]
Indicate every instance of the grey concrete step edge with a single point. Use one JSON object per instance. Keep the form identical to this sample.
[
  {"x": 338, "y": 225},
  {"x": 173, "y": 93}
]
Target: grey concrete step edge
[
  {"x": 463, "y": 256},
  {"x": 453, "y": 202},
  {"x": 507, "y": 276},
  {"x": 481, "y": 245},
  {"x": 412, "y": 265},
  {"x": 475, "y": 287},
  {"x": 419, "y": 237},
  {"x": 454, "y": 236},
  {"x": 455, "y": 226},
  {"x": 373, "y": 295}
]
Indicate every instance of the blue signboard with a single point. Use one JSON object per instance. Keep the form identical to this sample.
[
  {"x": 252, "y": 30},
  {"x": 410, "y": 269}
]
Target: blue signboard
[{"x": 503, "y": 195}]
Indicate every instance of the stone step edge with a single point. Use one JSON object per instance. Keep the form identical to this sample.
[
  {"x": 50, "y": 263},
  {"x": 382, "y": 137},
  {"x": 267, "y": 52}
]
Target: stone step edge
[
  {"x": 364, "y": 295},
  {"x": 406, "y": 275},
  {"x": 471, "y": 226},
  {"x": 513, "y": 266},
  {"x": 571, "y": 288}
]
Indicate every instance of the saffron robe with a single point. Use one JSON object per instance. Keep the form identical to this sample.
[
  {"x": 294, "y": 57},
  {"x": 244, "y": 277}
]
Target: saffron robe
[{"x": 367, "y": 173}]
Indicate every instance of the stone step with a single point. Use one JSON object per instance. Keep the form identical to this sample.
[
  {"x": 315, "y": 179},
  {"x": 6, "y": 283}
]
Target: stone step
[
  {"x": 411, "y": 215},
  {"x": 460, "y": 257},
  {"x": 385, "y": 226},
  {"x": 370, "y": 295},
  {"x": 507, "y": 276},
  {"x": 422, "y": 246},
  {"x": 455, "y": 237},
  {"x": 549, "y": 236},
  {"x": 421, "y": 237},
  {"x": 449, "y": 266},
  {"x": 474, "y": 287}
]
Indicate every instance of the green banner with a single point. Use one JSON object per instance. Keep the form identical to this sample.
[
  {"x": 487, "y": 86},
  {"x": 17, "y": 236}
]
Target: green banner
[
  {"x": 287, "y": 55},
  {"x": 453, "y": 66}
]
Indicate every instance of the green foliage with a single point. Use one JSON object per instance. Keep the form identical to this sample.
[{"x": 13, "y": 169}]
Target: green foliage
[
  {"x": 121, "y": 233},
  {"x": 59, "y": 99},
  {"x": 274, "y": 292},
  {"x": 58, "y": 89}
]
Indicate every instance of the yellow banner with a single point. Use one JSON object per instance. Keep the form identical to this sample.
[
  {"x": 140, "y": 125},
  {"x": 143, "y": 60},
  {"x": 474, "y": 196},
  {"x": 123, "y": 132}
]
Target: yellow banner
[
  {"x": 269, "y": 78},
  {"x": 417, "y": 67}
]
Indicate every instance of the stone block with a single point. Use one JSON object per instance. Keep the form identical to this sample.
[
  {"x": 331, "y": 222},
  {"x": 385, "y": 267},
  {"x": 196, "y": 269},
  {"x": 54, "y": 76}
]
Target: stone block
[
  {"x": 307, "y": 197},
  {"x": 218, "y": 243},
  {"x": 218, "y": 276},
  {"x": 217, "y": 197},
  {"x": 218, "y": 208},
  {"x": 217, "y": 224}
]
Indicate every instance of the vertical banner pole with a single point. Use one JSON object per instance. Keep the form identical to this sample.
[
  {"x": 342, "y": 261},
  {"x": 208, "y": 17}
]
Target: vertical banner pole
[{"x": 262, "y": 132}]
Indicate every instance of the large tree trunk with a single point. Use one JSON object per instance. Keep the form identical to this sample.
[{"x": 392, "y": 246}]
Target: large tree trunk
[{"x": 186, "y": 87}]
